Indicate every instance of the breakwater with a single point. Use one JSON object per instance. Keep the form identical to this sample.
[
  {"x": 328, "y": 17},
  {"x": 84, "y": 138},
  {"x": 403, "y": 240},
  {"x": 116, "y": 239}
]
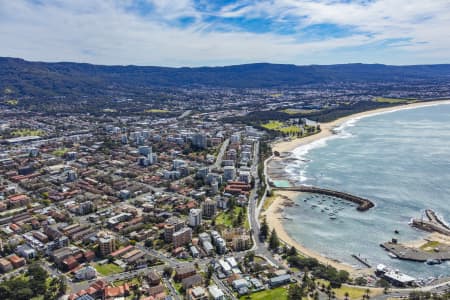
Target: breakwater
[
  {"x": 363, "y": 204},
  {"x": 432, "y": 223}
]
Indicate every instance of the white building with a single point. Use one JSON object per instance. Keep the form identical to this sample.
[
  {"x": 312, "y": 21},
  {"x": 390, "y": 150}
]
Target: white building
[
  {"x": 199, "y": 140},
  {"x": 235, "y": 138},
  {"x": 229, "y": 173},
  {"x": 216, "y": 293},
  {"x": 195, "y": 217},
  {"x": 86, "y": 273},
  {"x": 245, "y": 176}
]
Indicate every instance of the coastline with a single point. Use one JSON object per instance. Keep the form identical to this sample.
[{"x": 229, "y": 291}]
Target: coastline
[
  {"x": 274, "y": 218},
  {"x": 327, "y": 128},
  {"x": 274, "y": 211}
]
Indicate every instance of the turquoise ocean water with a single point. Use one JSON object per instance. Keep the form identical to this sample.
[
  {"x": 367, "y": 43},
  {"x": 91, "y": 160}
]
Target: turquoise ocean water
[{"x": 400, "y": 160}]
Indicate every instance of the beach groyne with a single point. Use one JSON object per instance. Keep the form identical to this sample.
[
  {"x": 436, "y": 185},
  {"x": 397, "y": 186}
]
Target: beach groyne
[{"x": 363, "y": 204}]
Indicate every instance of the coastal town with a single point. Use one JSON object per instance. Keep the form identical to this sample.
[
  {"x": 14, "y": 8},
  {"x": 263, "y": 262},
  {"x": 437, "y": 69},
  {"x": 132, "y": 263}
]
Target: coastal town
[
  {"x": 224, "y": 150},
  {"x": 156, "y": 207}
]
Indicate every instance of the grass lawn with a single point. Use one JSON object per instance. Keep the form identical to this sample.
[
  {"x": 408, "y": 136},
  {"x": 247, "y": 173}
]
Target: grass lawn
[
  {"x": 12, "y": 102},
  {"x": 130, "y": 282},
  {"x": 295, "y": 111},
  {"x": 27, "y": 132},
  {"x": 394, "y": 100},
  {"x": 277, "y": 293},
  {"x": 290, "y": 129},
  {"x": 108, "y": 269},
  {"x": 155, "y": 111},
  {"x": 178, "y": 286},
  {"x": 226, "y": 218},
  {"x": 277, "y": 95},
  {"x": 353, "y": 292},
  {"x": 268, "y": 202},
  {"x": 60, "y": 152},
  {"x": 259, "y": 259},
  {"x": 282, "y": 127},
  {"x": 356, "y": 293},
  {"x": 272, "y": 125},
  {"x": 430, "y": 246}
]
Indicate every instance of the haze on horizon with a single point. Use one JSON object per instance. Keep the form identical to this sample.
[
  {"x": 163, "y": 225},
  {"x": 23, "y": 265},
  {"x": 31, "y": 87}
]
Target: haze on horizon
[{"x": 203, "y": 32}]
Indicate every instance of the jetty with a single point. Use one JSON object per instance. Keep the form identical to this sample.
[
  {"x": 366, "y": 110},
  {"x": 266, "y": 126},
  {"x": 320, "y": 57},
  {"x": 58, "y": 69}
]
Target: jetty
[
  {"x": 363, "y": 204},
  {"x": 431, "y": 223}
]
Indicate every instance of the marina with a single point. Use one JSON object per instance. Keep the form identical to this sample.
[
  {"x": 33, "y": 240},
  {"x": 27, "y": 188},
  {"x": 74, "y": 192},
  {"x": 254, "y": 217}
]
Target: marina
[{"x": 363, "y": 204}]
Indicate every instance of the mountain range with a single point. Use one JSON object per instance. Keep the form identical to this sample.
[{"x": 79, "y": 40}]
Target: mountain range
[{"x": 27, "y": 78}]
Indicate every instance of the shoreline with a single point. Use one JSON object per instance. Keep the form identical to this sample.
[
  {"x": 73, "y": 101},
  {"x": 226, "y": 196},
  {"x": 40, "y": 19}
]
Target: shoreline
[
  {"x": 274, "y": 211},
  {"x": 327, "y": 128},
  {"x": 274, "y": 218}
]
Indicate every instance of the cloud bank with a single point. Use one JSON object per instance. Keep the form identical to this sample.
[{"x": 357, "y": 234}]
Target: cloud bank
[{"x": 205, "y": 32}]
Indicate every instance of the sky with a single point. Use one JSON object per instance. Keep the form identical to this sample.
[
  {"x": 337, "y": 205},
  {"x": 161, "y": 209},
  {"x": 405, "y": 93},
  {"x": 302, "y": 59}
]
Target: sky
[{"x": 226, "y": 32}]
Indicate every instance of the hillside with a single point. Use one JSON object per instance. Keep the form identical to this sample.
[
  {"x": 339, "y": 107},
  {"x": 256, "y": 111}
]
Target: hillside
[{"x": 75, "y": 79}]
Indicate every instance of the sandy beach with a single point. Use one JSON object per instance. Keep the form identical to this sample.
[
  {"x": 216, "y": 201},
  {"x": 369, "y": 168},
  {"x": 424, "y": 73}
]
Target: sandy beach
[
  {"x": 326, "y": 128},
  {"x": 274, "y": 217},
  {"x": 274, "y": 212}
]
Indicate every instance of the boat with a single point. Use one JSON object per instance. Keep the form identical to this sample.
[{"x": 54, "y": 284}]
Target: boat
[
  {"x": 433, "y": 262},
  {"x": 333, "y": 217},
  {"x": 392, "y": 255},
  {"x": 396, "y": 231}
]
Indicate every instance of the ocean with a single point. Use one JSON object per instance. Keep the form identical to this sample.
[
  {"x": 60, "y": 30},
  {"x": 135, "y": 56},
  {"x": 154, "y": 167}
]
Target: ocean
[{"x": 400, "y": 160}]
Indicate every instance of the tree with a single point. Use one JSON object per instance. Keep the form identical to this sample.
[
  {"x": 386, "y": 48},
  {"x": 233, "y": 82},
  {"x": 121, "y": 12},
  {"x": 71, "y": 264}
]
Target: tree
[
  {"x": 367, "y": 294},
  {"x": 209, "y": 274},
  {"x": 292, "y": 251},
  {"x": 62, "y": 285},
  {"x": 328, "y": 291},
  {"x": 264, "y": 230},
  {"x": 38, "y": 277},
  {"x": 274, "y": 242},
  {"x": 295, "y": 292},
  {"x": 148, "y": 243},
  {"x": 23, "y": 294},
  {"x": 5, "y": 292},
  {"x": 360, "y": 281},
  {"x": 316, "y": 295},
  {"x": 383, "y": 283},
  {"x": 167, "y": 271},
  {"x": 249, "y": 256}
]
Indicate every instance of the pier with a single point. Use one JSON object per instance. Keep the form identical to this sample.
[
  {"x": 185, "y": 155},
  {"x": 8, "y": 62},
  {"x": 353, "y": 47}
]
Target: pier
[
  {"x": 362, "y": 260},
  {"x": 363, "y": 204}
]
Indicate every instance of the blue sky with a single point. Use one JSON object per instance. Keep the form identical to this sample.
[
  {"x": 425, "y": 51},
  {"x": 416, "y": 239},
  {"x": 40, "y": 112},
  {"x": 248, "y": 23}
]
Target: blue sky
[{"x": 209, "y": 32}]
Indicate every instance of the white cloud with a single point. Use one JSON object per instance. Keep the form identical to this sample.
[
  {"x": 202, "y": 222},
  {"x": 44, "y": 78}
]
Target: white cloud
[{"x": 108, "y": 32}]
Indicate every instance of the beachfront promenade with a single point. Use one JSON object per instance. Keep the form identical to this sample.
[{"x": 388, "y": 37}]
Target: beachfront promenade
[{"x": 363, "y": 204}]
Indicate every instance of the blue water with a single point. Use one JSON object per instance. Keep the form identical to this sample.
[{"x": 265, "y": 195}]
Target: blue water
[{"x": 399, "y": 160}]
